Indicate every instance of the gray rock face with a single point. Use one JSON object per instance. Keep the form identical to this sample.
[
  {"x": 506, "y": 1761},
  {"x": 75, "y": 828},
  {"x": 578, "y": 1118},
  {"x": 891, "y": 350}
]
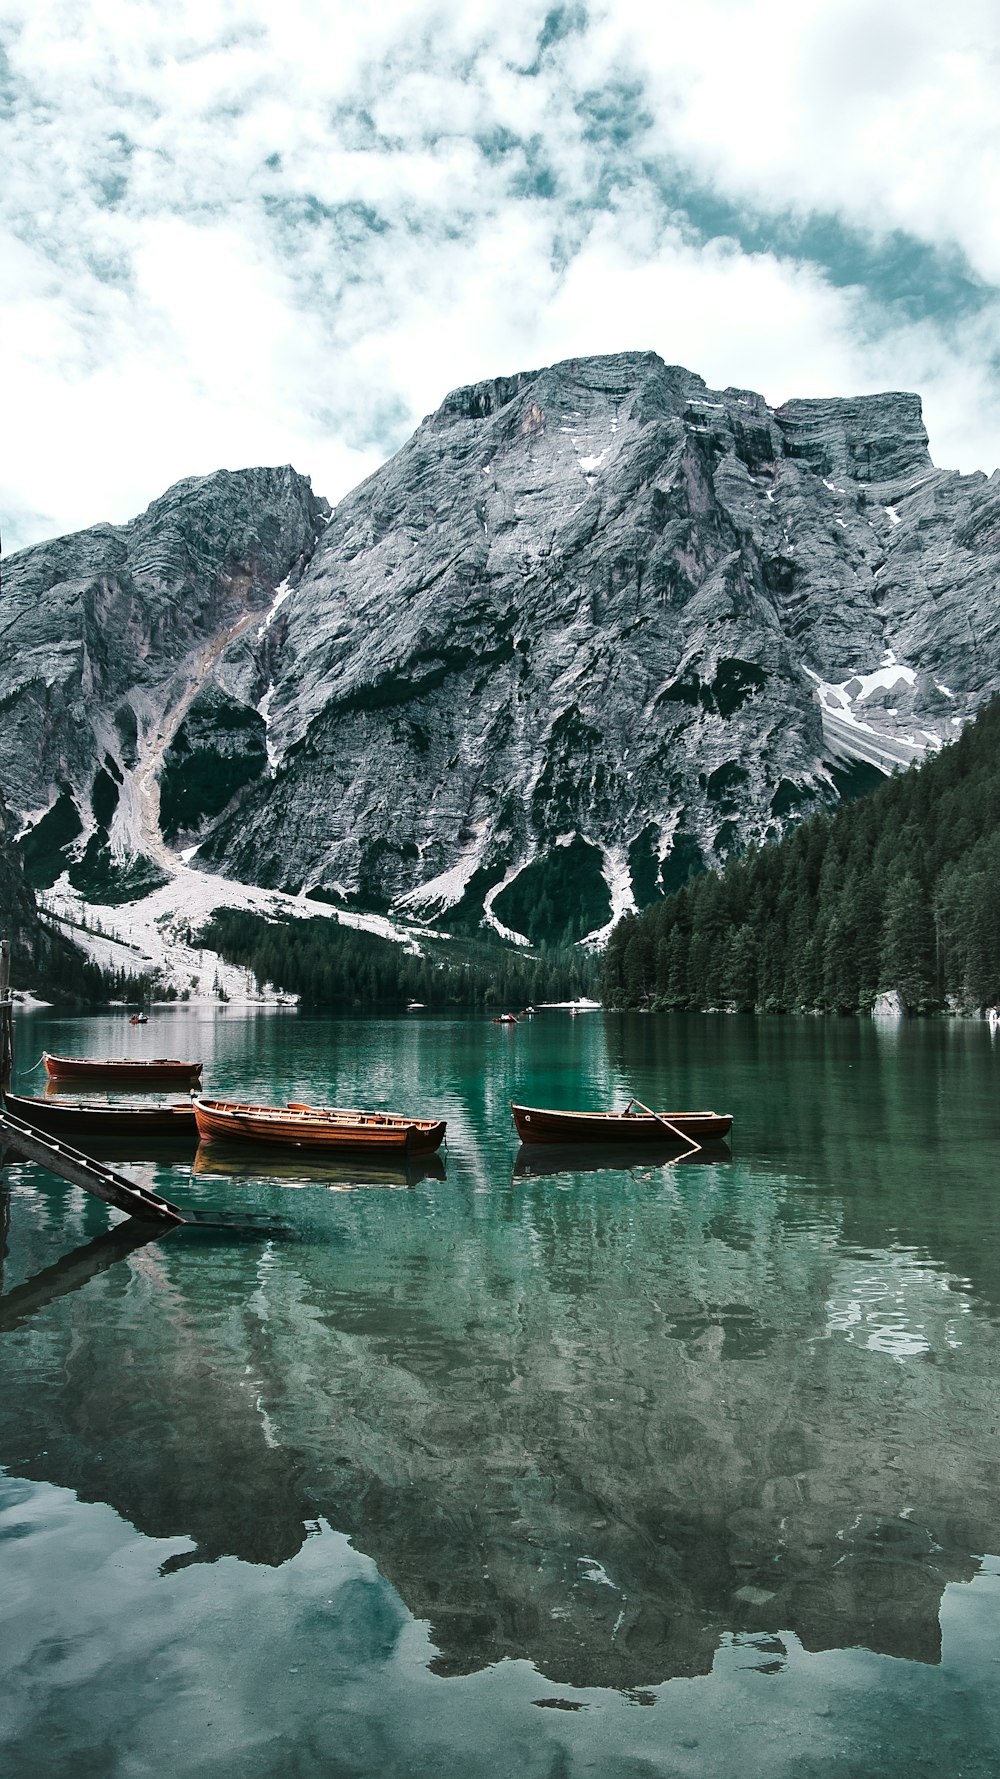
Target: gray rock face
[
  {"x": 871, "y": 439},
  {"x": 592, "y": 626},
  {"x": 17, "y": 905},
  {"x": 108, "y": 636},
  {"x": 218, "y": 747},
  {"x": 603, "y": 607}
]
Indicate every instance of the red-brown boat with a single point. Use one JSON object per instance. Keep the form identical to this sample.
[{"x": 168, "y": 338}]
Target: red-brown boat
[
  {"x": 536, "y": 1125},
  {"x": 316, "y": 1127},
  {"x": 93, "y": 1118},
  {"x": 137, "y": 1071}
]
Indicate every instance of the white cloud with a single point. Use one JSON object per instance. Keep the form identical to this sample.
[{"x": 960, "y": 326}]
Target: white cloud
[
  {"x": 881, "y": 111},
  {"x": 232, "y": 233}
]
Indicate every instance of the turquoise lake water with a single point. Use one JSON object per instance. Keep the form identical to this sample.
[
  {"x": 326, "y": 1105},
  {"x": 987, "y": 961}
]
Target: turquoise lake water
[{"x": 509, "y": 1464}]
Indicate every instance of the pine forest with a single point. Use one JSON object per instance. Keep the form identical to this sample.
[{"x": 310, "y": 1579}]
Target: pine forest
[{"x": 898, "y": 892}]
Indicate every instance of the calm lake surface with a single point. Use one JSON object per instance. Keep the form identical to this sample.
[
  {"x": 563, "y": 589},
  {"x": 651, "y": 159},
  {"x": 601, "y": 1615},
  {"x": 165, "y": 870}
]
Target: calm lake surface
[{"x": 495, "y": 1469}]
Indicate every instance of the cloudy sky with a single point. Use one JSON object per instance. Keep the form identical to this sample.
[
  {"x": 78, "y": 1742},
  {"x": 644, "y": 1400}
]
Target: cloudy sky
[{"x": 259, "y": 231}]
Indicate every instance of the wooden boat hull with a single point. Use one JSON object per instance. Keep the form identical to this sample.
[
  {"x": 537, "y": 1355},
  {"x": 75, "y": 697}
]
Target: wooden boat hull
[
  {"x": 136, "y": 1072},
  {"x": 315, "y": 1127},
  {"x": 88, "y": 1118},
  {"x": 537, "y": 1125}
]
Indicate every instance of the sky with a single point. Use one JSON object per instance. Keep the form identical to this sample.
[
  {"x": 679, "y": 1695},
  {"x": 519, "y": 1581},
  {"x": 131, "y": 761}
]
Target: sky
[{"x": 264, "y": 231}]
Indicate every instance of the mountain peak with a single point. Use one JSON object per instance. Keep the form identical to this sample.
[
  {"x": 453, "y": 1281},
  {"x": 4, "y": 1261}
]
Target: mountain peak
[
  {"x": 870, "y": 438},
  {"x": 594, "y": 626}
]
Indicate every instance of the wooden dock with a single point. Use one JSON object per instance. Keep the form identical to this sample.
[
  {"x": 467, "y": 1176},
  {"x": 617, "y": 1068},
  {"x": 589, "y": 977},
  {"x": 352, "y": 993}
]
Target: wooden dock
[{"x": 80, "y": 1170}]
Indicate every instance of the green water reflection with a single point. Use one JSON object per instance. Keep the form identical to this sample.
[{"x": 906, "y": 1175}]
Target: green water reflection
[{"x": 450, "y": 1473}]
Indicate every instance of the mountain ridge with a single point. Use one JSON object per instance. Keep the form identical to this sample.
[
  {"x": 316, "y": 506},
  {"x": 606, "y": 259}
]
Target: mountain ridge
[{"x": 595, "y": 623}]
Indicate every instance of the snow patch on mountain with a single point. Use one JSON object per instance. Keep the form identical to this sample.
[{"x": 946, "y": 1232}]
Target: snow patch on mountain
[
  {"x": 281, "y": 594},
  {"x": 29, "y": 820},
  {"x": 449, "y": 886},
  {"x": 618, "y": 877},
  {"x": 881, "y": 735},
  {"x": 507, "y": 933},
  {"x": 264, "y": 711},
  {"x": 860, "y": 686}
]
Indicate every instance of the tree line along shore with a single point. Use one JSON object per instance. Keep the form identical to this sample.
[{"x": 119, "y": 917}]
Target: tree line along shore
[{"x": 898, "y": 893}]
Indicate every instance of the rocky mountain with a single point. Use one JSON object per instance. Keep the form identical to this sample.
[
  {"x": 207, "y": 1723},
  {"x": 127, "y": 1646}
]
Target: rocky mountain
[
  {"x": 17, "y": 909},
  {"x": 113, "y": 642},
  {"x": 591, "y": 627},
  {"x": 43, "y": 957}
]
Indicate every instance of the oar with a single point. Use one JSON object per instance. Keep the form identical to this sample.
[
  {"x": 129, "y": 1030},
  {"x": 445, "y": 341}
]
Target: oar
[{"x": 693, "y": 1148}]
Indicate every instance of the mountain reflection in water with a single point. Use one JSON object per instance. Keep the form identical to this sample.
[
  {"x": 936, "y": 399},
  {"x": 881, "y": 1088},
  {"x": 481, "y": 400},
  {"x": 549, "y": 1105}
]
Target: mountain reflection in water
[{"x": 603, "y": 1429}]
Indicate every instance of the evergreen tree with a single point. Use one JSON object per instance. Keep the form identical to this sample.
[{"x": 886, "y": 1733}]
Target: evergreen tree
[
  {"x": 907, "y": 954},
  {"x": 739, "y": 975}
]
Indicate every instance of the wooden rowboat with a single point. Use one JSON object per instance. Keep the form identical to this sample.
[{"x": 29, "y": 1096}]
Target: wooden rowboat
[
  {"x": 91, "y": 1118},
  {"x": 137, "y": 1071},
  {"x": 535, "y": 1125},
  {"x": 316, "y": 1127}
]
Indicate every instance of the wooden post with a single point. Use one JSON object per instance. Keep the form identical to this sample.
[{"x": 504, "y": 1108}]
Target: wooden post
[{"x": 6, "y": 1017}]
